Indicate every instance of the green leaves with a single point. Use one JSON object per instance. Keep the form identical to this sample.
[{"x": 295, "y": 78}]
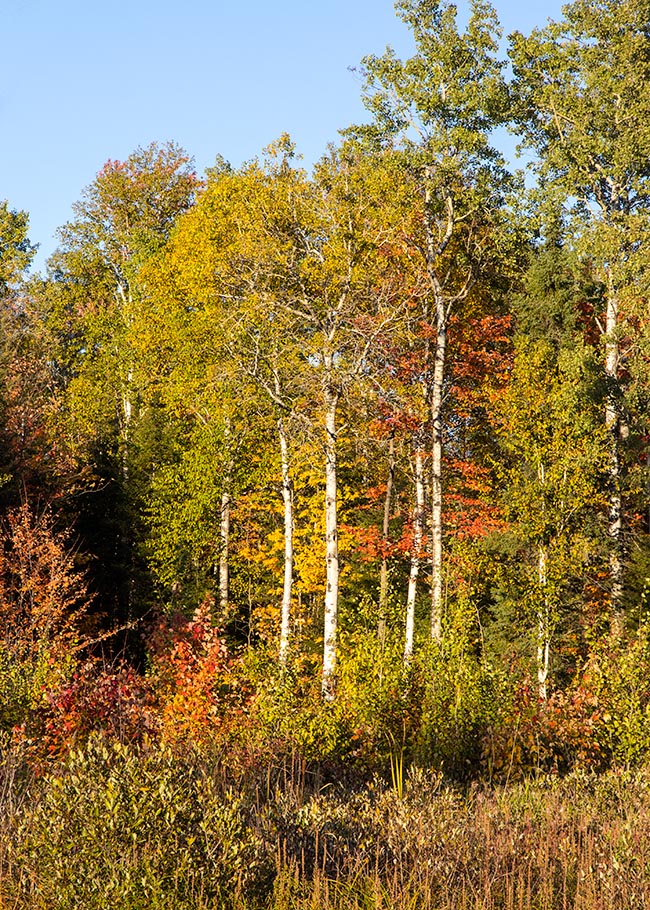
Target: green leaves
[
  {"x": 442, "y": 103},
  {"x": 127, "y": 213},
  {"x": 16, "y": 252},
  {"x": 580, "y": 89}
]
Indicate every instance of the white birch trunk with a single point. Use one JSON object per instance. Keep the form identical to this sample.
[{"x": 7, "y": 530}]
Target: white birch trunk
[
  {"x": 418, "y": 535},
  {"x": 383, "y": 577},
  {"x": 127, "y": 405},
  {"x": 612, "y": 419},
  {"x": 331, "y": 538},
  {"x": 436, "y": 475},
  {"x": 543, "y": 628},
  {"x": 224, "y": 534},
  {"x": 224, "y": 525},
  {"x": 287, "y": 497},
  {"x": 435, "y": 247},
  {"x": 127, "y": 418},
  {"x": 124, "y": 302}
]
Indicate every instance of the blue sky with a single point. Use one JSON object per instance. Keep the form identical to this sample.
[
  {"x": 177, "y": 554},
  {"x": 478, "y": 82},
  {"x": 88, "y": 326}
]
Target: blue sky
[{"x": 83, "y": 81}]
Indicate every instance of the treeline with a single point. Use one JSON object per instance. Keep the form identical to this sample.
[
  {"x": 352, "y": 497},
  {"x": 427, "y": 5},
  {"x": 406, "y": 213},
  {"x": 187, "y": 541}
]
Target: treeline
[{"x": 358, "y": 457}]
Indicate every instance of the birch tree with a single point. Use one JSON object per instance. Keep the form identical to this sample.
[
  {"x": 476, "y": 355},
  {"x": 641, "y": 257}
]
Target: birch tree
[
  {"x": 16, "y": 251},
  {"x": 583, "y": 107},
  {"x": 350, "y": 304},
  {"x": 91, "y": 304},
  {"x": 226, "y": 289},
  {"x": 439, "y": 108},
  {"x": 554, "y": 458}
]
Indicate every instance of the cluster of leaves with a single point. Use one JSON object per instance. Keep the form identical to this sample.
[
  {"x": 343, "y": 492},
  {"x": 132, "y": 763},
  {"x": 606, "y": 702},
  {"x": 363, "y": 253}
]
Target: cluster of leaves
[
  {"x": 271, "y": 397},
  {"x": 120, "y": 826}
]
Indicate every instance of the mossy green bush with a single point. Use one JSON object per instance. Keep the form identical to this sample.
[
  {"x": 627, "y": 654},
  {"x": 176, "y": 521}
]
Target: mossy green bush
[{"x": 117, "y": 826}]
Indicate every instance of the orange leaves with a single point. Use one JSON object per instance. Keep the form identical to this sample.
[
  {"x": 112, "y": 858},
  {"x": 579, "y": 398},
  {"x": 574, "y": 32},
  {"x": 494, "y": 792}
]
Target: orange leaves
[
  {"x": 190, "y": 667},
  {"x": 472, "y": 507},
  {"x": 481, "y": 348},
  {"x": 189, "y": 695},
  {"x": 42, "y": 594}
]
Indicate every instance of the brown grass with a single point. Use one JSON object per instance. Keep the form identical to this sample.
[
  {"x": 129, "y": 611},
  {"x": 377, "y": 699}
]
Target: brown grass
[{"x": 175, "y": 834}]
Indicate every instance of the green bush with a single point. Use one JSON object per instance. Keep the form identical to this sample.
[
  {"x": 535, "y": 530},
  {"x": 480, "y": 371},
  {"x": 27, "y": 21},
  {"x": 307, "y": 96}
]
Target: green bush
[
  {"x": 135, "y": 828},
  {"x": 460, "y": 698},
  {"x": 618, "y": 674}
]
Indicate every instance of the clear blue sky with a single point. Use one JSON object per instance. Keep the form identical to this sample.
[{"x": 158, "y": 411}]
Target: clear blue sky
[{"x": 82, "y": 81}]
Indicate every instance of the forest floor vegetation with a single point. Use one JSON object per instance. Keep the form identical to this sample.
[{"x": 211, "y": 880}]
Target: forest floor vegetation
[{"x": 148, "y": 826}]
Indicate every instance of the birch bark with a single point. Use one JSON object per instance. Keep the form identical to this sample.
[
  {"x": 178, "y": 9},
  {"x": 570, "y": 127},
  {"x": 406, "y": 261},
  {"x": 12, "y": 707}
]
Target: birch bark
[
  {"x": 383, "y": 578},
  {"x": 287, "y": 497},
  {"x": 543, "y": 627},
  {"x": 613, "y": 423},
  {"x": 435, "y": 248},
  {"x": 436, "y": 482},
  {"x": 418, "y": 535},
  {"x": 331, "y": 396},
  {"x": 224, "y": 524}
]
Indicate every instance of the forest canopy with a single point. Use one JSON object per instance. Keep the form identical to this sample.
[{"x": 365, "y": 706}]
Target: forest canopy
[{"x": 328, "y": 461}]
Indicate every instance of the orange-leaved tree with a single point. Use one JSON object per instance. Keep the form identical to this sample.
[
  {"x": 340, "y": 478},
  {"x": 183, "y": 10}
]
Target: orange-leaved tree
[{"x": 43, "y": 597}]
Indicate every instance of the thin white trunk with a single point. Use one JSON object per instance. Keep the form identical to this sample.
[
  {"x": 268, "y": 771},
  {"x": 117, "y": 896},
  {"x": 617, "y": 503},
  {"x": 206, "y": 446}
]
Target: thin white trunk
[
  {"x": 287, "y": 496},
  {"x": 331, "y": 538},
  {"x": 383, "y": 577},
  {"x": 224, "y": 533},
  {"x": 127, "y": 406},
  {"x": 543, "y": 627},
  {"x": 224, "y": 529},
  {"x": 613, "y": 422},
  {"x": 418, "y": 535},
  {"x": 124, "y": 302},
  {"x": 126, "y": 421},
  {"x": 436, "y": 475},
  {"x": 436, "y": 244}
]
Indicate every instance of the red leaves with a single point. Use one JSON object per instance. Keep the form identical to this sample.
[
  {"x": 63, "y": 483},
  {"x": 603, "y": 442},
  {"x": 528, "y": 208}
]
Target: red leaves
[
  {"x": 116, "y": 701},
  {"x": 472, "y": 510},
  {"x": 190, "y": 664},
  {"x": 481, "y": 353},
  {"x": 562, "y": 733}
]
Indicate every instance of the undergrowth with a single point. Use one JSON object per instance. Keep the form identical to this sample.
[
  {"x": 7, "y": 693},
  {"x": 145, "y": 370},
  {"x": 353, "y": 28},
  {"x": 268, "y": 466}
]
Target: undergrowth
[{"x": 145, "y": 826}]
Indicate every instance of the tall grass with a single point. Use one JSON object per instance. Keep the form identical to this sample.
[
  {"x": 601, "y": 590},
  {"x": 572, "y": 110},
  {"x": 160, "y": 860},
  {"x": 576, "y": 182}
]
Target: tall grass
[{"x": 146, "y": 828}]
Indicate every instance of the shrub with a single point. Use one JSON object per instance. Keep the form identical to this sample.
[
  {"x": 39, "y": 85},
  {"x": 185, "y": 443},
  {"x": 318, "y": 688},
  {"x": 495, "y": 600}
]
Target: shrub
[
  {"x": 43, "y": 597},
  {"x": 127, "y": 827}
]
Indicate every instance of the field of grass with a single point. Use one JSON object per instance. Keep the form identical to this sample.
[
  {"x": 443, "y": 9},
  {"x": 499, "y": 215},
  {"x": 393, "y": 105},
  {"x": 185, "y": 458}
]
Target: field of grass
[{"x": 147, "y": 828}]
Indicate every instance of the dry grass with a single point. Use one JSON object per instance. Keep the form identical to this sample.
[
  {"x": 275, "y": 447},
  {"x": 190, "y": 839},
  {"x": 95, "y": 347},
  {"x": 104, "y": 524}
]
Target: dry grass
[
  {"x": 143, "y": 830},
  {"x": 582, "y": 844}
]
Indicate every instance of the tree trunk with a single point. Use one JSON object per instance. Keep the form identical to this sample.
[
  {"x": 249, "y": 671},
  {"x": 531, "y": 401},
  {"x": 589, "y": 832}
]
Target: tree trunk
[
  {"x": 223, "y": 551},
  {"x": 436, "y": 473},
  {"x": 383, "y": 578},
  {"x": 125, "y": 543},
  {"x": 224, "y": 529},
  {"x": 125, "y": 423},
  {"x": 438, "y": 237},
  {"x": 331, "y": 538},
  {"x": 543, "y": 627},
  {"x": 418, "y": 535},
  {"x": 124, "y": 302},
  {"x": 613, "y": 422},
  {"x": 287, "y": 496}
]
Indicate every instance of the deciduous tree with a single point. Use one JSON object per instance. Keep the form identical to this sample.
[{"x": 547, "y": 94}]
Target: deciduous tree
[
  {"x": 580, "y": 87},
  {"x": 439, "y": 107}
]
